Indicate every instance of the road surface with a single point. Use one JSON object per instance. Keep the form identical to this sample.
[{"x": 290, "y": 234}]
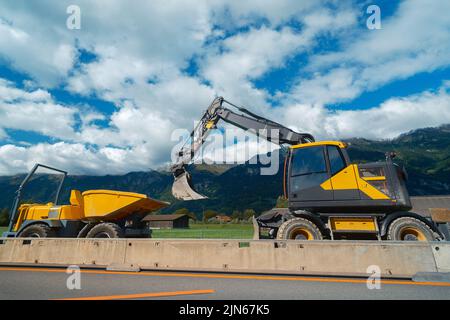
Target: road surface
[{"x": 51, "y": 283}]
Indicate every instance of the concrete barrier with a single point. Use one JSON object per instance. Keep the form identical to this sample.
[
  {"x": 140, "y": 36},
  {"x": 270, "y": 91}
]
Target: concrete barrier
[
  {"x": 352, "y": 258},
  {"x": 441, "y": 254}
]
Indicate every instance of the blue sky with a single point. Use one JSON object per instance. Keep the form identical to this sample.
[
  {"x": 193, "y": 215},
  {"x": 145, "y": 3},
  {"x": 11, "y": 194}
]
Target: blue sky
[{"x": 107, "y": 98}]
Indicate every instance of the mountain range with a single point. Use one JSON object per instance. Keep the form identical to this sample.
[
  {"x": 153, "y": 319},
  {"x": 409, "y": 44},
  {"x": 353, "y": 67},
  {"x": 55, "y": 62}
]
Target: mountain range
[{"x": 424, "y": 152}]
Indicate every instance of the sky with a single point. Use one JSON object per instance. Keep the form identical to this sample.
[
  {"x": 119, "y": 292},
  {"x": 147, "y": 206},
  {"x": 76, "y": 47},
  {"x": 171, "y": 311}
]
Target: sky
[{"x": 107, "y": 97}]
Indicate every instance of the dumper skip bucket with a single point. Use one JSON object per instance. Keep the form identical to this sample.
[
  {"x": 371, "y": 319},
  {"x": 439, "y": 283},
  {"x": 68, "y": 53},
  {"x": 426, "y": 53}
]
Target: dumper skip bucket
[{"x": 107, "y": 204}]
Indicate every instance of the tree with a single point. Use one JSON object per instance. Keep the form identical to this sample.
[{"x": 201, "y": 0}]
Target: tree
[
  {"x": 282, "y": 202},
  {"x": 208, "y": 214},
  {"x": 248, "y": 213},
  {"x": 182, "y": 211},
  {"x": 4, "y": 217},
  {"x": 236, "y": 215},
  {"x": 192, "y": 216}
]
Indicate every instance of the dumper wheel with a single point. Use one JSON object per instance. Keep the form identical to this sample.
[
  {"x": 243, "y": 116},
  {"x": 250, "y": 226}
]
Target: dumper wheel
[
  {"x": 409, "y": 229},
  {"x": 37, "y": 231},
  {"x": 299, "y": 229},
  {"x": 105, "y": 230}
]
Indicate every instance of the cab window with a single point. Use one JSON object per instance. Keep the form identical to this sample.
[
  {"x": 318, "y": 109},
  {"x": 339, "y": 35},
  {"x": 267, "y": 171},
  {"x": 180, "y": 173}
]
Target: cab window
[
  {"x": 308, "y": 160},
  {"x": 337, "y": 162}
]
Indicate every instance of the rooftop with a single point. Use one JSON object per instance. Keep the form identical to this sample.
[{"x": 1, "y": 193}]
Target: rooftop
[{"x": 163, "y": 217}]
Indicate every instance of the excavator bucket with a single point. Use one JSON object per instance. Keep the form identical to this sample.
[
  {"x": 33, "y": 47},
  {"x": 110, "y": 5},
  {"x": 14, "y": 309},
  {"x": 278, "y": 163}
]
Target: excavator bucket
[{"x": 183, "y": 189}]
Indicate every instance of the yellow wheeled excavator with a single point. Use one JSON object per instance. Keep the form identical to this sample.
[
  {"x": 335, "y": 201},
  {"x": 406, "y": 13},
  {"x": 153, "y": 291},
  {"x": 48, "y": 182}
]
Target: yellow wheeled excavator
[
  {"x": 91, "y": 214},
  {"x": 329, "y": 197}
]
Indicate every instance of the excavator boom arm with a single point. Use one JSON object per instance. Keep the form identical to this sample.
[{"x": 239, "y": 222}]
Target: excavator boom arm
[
  {"x": 260, "y": 126},
  {"x": 270, "y": 130}
]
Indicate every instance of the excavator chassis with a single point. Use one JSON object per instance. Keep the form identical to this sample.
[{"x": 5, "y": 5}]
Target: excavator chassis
[{"x": 267, "y": 225}]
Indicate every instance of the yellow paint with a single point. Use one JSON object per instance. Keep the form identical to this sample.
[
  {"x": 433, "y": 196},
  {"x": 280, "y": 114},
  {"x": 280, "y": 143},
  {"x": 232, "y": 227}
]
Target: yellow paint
[
  {"x": 349, "y": 179},
  {"x": 70, "y": 212},
  {"x": 353, "y": 224},
  {"x": 144, "y": 295},
  {"x": 76, "y": 198},
  {"x": 117, "y": 204},
  {"x": 343, "y": 180},
  {"x": 23, "y": 210},
  {"x": 413, "y": 231},
  {"x": 95, "y": 204},
  {"x": 339, "y": 144},
  {"x": 302, "y": 231},
  {"x": 380, "y": 178},
  {"x": 210, "y": 124},
  {"x": 47, "y": 212},
  {"x": 326, "y": 185}
]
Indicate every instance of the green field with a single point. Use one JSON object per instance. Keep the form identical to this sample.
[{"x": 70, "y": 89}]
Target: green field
[
  {"x": 208, "y": 231},
  {"x": 3, "y": 229},
  {"x": 202, "y": 231}
]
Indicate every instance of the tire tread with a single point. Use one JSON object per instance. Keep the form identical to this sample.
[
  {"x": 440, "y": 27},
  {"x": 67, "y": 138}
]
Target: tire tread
[
  {"x": 393, "y": 224},
  {"x": 285, "y": 225},
  {"x": 112, "y": 228}
]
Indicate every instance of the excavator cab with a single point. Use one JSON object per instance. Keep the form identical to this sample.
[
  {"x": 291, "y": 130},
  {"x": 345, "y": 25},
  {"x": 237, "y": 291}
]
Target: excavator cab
[{"x": 319, "y": 177}]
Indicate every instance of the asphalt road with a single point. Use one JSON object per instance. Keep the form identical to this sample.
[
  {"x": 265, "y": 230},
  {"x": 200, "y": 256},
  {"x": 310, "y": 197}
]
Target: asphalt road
[{"x": 51, "y": 283}]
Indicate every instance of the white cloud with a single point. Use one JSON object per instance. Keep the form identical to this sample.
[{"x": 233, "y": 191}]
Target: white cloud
[
  {"x": 143, "y": 48},
  {"x": 251, "y": 54},
  {"x": 395, "y": 116},
  {"x": 386, "y": 121},
  {"x": 415, "y": 39},
  {"x": 76, "y": 158},
  {"x": 30, "y": 48},
  {"x": 9, "y": 93},
  {"x": 241, "y": 58},
  {"x": 232, "y": 145},
  {"x": 34, "y": 111}
]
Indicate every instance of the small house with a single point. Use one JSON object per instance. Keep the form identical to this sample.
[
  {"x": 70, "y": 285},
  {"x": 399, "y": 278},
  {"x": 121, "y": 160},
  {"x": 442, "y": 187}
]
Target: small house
[
  {"x": 167, "y": 221},
  {"x": 221, "y": 219}
]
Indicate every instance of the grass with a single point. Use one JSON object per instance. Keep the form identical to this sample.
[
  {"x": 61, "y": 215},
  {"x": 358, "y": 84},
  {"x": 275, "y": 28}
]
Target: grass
[
  {"x": 201, "y": 231},
  {"x": 208, "y": 231}
]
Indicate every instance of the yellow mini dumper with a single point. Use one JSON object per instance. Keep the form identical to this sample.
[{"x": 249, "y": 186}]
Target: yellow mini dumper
[{"x": 91, "y": 214}]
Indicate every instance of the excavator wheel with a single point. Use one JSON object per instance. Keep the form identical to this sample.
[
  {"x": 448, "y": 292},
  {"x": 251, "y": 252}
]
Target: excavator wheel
[
  {"x": 409, "y": 229},
  {"x": 298, "y": 229},
  {"x": 37, "y": 231},
  {"x": 105, "y": 230}
]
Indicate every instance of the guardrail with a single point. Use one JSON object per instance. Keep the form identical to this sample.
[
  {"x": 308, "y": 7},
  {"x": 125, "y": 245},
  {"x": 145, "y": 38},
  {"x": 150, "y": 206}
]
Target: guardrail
[{"x": 341, "y": 258}]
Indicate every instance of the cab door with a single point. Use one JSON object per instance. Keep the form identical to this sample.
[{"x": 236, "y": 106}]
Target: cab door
[
  {"x": 308, "y": 170},
  {"x": 343, "y": 176}
]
